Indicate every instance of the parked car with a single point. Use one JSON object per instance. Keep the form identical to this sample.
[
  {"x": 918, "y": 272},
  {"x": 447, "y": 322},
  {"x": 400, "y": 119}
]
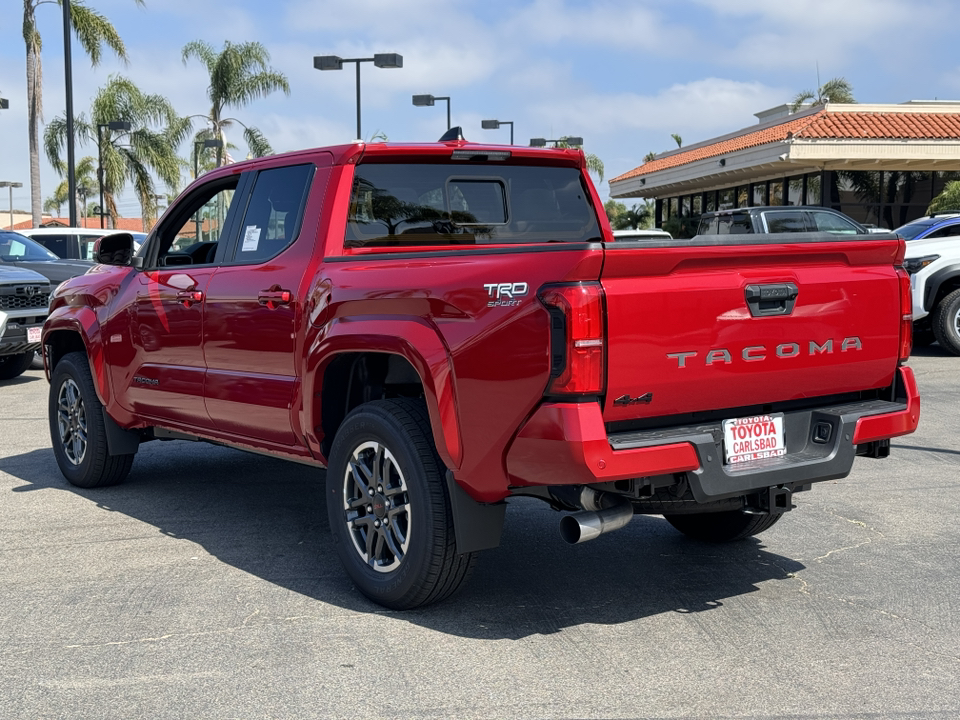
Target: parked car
[
  {"x": 778, "y": 219},
  {"x": 446, "y": 327},
  {"x": 17, "y": 250},
  {"x": 933, "y": 261},
  {"x": 24, "y": 298},
  {"x": 645, "y": 234},
  {"x": 72, "y": 243}
]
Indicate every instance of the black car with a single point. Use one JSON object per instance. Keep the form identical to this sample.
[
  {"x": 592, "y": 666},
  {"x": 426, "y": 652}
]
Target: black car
[
  {"x": 779, "y": 219},
  {"x": 17, "y": 250}
]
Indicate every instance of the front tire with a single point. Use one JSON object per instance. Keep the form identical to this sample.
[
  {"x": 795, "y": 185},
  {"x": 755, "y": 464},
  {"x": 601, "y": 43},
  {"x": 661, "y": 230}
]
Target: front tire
[
  {"x": 946, "y": 323},
  {"x": 388, "y": 507},
  {"x": 77, "y": 427},
  {"x": 721, "y": 527},
  {"x": 12, "y": 366}
]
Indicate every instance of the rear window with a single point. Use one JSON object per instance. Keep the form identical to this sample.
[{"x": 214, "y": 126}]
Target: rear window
[
  {"x": 785, "y": 222},
  {"x": 451, "y": 204}
]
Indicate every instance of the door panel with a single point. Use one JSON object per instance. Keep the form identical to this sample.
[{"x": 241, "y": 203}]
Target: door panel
[
  {"x": 167, "y": 382},
  {"x": 253, "y": 311}
]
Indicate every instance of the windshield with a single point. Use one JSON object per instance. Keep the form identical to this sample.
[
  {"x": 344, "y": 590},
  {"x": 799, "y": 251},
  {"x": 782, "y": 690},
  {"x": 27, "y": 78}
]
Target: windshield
[
  {"x": 14, "y": 247},
  {"x": 456, "y": 204},
  {"x": 911, "y": 230}
]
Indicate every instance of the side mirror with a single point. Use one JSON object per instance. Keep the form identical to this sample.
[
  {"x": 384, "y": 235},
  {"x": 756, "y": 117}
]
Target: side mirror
[{"x": 115, "y": 249}]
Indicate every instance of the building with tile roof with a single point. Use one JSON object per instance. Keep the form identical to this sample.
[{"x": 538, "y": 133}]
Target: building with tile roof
[{"x": 879, "y": 164}]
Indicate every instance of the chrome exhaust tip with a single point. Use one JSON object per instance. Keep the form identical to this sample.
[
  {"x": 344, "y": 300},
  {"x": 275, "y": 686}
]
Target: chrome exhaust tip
[{"x": 594, "y": 522}]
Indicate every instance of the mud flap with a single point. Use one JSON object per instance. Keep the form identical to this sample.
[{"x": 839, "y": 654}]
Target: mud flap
[
  {"x": 120, "y": 441},
  {"x": 477, "y": 526}
]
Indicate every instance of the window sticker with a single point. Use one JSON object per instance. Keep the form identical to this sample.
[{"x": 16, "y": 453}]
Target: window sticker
[{"x": 251, "y": 238}]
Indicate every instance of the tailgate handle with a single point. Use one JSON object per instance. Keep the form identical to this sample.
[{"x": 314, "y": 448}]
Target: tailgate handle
[{"x": 774, "y": 299}]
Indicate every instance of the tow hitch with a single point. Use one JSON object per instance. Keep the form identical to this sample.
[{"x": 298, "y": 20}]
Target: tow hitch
[{"x": 769, "y": 501}]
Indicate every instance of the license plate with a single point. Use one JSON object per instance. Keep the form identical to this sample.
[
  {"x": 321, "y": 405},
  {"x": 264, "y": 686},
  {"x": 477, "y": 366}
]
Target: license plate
[
  {"x": 753, "y": 438},
  {"x": 33, "y": 334}
]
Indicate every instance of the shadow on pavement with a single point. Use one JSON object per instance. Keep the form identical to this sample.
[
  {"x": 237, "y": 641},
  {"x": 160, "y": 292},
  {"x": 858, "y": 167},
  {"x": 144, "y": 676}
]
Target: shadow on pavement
[
  {"x": 267, "y": 517},
  {"x": 20, "y": 380}
]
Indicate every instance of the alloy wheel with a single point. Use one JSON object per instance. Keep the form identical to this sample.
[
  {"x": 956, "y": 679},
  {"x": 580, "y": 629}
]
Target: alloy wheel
[
  {"x": 72, "y": 422},
  {"x": 376, "y": 506}
]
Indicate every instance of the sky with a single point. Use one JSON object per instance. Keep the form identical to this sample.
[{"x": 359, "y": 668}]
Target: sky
[{"x": 623, "y": 75}]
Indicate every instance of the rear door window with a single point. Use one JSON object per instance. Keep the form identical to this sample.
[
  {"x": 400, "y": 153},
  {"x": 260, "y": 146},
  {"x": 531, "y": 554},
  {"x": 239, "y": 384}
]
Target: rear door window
[
  {"x": 785, "y": 222},
  {"x": 450, "y": 204},
  {"x": 274, "y": 213},
  {"x": 828, "y": 222},
  {"x": 735, "y": 224}
]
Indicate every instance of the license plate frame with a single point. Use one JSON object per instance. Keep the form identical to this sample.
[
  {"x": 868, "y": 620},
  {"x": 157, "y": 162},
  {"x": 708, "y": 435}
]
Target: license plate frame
[
  {"x": 753, "y": 438},
  {"x": 33, "y": 334}
]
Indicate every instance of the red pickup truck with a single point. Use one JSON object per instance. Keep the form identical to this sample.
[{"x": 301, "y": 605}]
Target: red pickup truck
[{"x": 446, "y": 326}]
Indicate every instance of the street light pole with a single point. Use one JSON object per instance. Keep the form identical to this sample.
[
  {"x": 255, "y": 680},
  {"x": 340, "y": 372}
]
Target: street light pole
[
  {"x": 68, "y": 80},
  {"x": 112, "y": 125},
  {"x": 495, "y": 124},
  {"x": 430, "y": 100},
  {"x": 335, "y": 62},
  {"x": 11, "y": 185}
]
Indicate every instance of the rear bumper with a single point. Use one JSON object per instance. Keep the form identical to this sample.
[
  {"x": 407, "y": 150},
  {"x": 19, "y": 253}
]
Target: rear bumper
[{"x": 567, "y": 444}]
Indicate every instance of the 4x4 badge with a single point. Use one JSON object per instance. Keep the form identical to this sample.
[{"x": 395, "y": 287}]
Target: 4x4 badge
[{"x": 644, "y": 399}]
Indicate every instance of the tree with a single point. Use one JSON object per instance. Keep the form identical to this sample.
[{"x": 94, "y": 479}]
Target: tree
[
  {"x": 149, "y": 147},
  {"x": 594, "y": 164},
  {"x": 57, "y": 200},
  {"x": 677, "y": 139},
  {"x": 838, "y": 90},
  {"x": 239, "y": 74},
  {"x": 85, "y": 177},
  {"x": 637, "y": 217},
  {"x": 93, "y": 30},
  {"x": 650, "y": 157},
  {"x": 948, "y": 200}
]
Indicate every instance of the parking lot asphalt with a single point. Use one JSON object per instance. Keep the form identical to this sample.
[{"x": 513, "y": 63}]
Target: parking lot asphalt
[{"x": 206, "y": 587}]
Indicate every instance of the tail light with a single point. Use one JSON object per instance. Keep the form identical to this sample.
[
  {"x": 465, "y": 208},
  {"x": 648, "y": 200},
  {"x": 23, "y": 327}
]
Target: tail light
[
  {"x": 576, "y": 338},
  {"x": 906, "y": 316}
]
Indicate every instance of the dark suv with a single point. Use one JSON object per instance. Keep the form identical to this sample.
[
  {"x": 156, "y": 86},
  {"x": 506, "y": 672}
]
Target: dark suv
[{"x": 778, "y": 219}]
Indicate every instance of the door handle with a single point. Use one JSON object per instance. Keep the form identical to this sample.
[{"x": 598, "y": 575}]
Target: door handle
[
  {"x": 274, "y": 297},
  {"x": 188, "y": 297},
  {"x": 773, "y": 299}
]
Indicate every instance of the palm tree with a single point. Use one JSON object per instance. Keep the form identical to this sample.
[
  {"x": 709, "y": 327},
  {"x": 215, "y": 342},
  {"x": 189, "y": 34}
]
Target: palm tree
[
  {"x": 239, "y": 74},
  {"x": 85, "y": 178},
  {"x": 650, "y": 157},
  {"x": 57, "y": 200},
  {"x": 93, "y": 30},
  {"x": 594, "y": 164},
  {"x": 677, "y": 139},
  {"x": 149, "y": 147},
  {"x": 838, "y": 90},
  {"x": 948, "y": 200}
]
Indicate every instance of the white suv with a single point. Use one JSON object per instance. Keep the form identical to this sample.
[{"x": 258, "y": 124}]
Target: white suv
[{"x": 933, "y": 261}]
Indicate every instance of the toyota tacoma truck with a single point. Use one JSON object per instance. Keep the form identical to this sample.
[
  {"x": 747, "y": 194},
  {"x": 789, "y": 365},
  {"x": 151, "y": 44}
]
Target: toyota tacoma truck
[
  {"x": 446, "y": 326},
  {"x": 24, "y": 297}
]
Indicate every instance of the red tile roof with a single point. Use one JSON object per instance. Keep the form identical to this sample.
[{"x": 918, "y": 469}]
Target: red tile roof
[
  {"x": 128, "y": 224},
  {"x": 825, "y": 124}
]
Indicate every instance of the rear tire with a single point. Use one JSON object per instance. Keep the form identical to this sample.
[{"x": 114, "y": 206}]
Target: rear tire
[
  {"x": 388, "y": 507},
  {"x": 946, "y": 323},
  {"x": 77, "y": 428},
  {"x": 12, "y": 366},
  {"x": 720, "y": 527}
]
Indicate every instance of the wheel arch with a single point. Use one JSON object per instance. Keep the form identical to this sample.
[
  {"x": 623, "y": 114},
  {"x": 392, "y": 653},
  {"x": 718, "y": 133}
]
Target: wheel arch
[
  {"x": 366, "y": 360},
  {"x": 76, "y": 330},
  {"x": 940, "y": 284}
]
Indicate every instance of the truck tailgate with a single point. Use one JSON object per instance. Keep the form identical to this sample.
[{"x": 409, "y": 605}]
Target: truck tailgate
[{"x": 747, "y": 321}]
